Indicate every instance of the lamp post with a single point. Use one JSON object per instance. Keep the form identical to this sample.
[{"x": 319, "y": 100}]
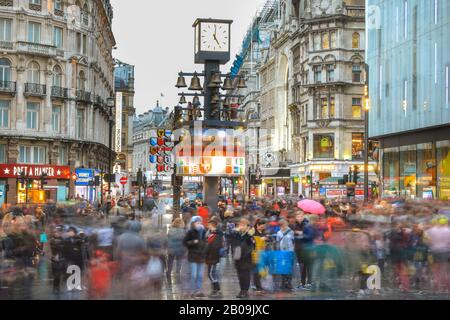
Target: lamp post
[
  {"x": 111, "y": 104},
  {"x": 366, "y": 135}
]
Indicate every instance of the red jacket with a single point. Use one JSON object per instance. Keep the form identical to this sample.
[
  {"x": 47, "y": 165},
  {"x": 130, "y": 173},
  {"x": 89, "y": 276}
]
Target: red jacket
[{"x": 203, "y": 212}]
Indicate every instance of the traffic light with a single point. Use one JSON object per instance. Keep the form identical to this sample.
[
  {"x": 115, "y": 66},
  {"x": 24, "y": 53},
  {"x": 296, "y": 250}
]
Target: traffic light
[
  {"x": 139, "y": 175},
  {"x": 144, "y": 180},
  {"x": 30, "y": 183},
  {"x": 237, "y": 64},
  {"x": 22, "y": 179},
  {"x": 309, "y": 180},
  {"x": 97, "y": 181},
  {"x": 43, "y": 180},
  {"x": 356, "y": 173}
]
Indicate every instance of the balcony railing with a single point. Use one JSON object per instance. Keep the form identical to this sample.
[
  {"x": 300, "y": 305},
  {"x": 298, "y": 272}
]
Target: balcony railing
[
  {"x": 8, "y": 87},
  {"x": 36, "y": 48},
  {"x": 6, "y": 3},
  {"x": 59, "y": 12},
  {"x": 35, "y": 89},
  {"x": 35, "y": 6},
  {"x": 83, "y": 96},
  {"x": 59, "y": 92},
  {"x": 6, "y": 45}
]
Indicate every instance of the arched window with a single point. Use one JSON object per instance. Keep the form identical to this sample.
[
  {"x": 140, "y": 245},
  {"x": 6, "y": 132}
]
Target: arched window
[
  {"x": 34, "y": 73},
  {"x": 57, "y": 76},
  {"x": 355, "y": 40},
  {"x": 85, "y": 15},
  {"x": 81, "y": 81},
  {"x": 5, "y": 71}
]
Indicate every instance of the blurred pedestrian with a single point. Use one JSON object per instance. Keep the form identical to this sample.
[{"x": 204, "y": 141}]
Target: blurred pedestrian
[
  {"x": 175, "y": 248},
  {"x": 214, "y": 252},
  {"x": 195, "y": 242},
  {"x": 242, "y": 256}
]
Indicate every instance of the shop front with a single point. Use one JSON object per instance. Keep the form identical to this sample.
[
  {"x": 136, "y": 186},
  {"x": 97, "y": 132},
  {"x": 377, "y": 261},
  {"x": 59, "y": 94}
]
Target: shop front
[
  {"x": 33, "y": 184},
  {"x": 314, "y": 179},
  {"x": 85, "y": 186},
  {"x": 276, "y": 182},
  {"x": 417, "y": 171}
]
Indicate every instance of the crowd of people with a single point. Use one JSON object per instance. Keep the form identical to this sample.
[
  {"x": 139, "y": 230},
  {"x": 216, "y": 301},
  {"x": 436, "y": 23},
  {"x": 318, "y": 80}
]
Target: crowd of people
[{"x": 270, "y": 243}]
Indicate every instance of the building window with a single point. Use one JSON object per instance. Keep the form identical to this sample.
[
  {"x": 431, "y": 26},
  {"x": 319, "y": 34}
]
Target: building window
[
  {"x": 316, "y": 42},
  {"x": 4, "y": 114},
  {"x": 34, "y": 32},
  {"x": 436, "y": 11},
  {"x": 324, "y": 108},
  {"x": 34, "y": 73},
  {"x": 356, "y": 73},
  {"x": 408, "y": 177},
  {"x": 447, "y": 87},
  {"x": 406, "y": 19},
  {"x": 82, "y": 43},
  {"x": 356, "y": 108},
  {"x": 85, "y": 15},
  {"x": 57, "y": 76},
  {"x": 81, "y": 81},
  {"x": 332, "y": 108},
  {"x": 355, "y": 40},
  {"x": 58, "y": 5},
  {"x": 62, "y": 156},
  {"x": 317, "y": 74},
  {"x": 32, "y": 115},
  {"x": 330, "y": 74},
  {"x": 324, "y": 146},
  {"x": 56, "y": 119},
  {"x": 32, "y": 155},
  {"x": 443, "y": 169},
  {"x": 5, "y": 73},
  {"x": 58, "y": 37},
  {"x": 80, "y": 123},
  {"x": 333, "y": 36},
  {"x": 357, "y": 146},
  {"x": 325, "y": 41},
  {"x": 5, "y": 29},
  {"x": 391, "y": 172},
  {"x": 2, "y": 153},
  {"x": 426, "y": 171}
]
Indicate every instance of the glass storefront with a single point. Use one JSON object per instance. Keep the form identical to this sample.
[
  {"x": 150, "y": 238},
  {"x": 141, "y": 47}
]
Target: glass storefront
[
  {"x": 408, "y": 171},
  {"x": 391, "y": 172},
  {"x": 35, "y": 195},
  {"x": 443, "y": 169},
  {"x": 421, "y": 171}
]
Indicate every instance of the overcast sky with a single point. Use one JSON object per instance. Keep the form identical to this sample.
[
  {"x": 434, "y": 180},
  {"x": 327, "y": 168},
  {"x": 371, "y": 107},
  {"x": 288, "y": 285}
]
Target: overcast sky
[{"x": 157, "y": 37}]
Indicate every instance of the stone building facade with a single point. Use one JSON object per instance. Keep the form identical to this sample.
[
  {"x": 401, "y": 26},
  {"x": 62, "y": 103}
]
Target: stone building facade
[{"x": 57, "y": 73}]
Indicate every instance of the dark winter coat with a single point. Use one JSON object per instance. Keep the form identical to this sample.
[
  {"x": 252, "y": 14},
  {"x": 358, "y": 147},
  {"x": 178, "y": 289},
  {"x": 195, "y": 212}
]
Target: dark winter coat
[
  {"x": 307, "y": 238},
  {"x": 215, "y": 244},
  {"x": 247, "y": 244},
  {"x": 196, "y": 250}
]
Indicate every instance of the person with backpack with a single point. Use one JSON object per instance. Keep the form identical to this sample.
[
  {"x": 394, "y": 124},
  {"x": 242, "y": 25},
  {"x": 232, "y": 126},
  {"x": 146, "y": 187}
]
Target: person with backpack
[
  {"x": 214, "y": 251},
  {"x": 195, "y": 242},
  {"x": 285, "y": 243}
]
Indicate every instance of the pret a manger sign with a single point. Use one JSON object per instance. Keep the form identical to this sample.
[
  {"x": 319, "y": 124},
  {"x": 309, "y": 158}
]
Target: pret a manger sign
[{"x": 34, "y": 171}]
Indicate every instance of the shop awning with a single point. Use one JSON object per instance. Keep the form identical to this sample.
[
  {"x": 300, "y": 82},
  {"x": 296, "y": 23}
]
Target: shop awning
[{"x": 276, "y": 173}]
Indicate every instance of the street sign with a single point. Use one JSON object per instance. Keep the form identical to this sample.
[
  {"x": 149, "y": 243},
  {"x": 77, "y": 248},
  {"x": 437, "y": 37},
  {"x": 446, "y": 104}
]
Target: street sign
[{"x": 123, "y": 180}]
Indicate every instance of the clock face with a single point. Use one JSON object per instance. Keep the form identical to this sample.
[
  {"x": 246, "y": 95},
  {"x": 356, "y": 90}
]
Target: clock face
[{"x": 214, "y": 37}]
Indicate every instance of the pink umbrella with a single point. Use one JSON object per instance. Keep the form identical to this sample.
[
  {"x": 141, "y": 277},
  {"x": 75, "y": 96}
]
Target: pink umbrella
[{"x": 311, "y": 206}]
